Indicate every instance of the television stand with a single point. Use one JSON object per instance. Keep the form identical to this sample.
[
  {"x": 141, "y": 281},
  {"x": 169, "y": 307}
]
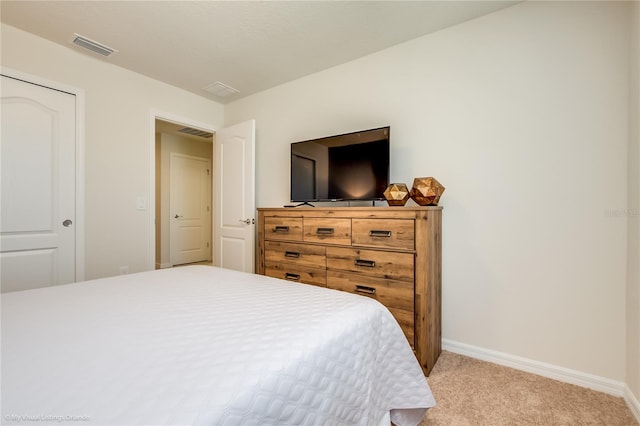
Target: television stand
[{"x": 392, "y": 254}]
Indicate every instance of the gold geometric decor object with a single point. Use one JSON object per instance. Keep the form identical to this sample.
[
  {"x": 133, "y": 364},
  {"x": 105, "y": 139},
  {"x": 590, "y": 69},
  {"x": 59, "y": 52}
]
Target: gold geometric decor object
[
  {"x": 426, "y": 191},
  {"x": 397, "y": 194}
]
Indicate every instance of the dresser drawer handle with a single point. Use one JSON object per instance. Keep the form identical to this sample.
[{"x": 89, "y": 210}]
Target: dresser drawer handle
[
  {"x": 379, "y": 233},
  {"x": 365, "y": 290},
  {"x": 291, "y": 277},
  {"x": 367, "y": 263},
  {"x": 324, "y": 231},
  {"x": 292, "y": 254},
  {"x": 281, "y": 229}
]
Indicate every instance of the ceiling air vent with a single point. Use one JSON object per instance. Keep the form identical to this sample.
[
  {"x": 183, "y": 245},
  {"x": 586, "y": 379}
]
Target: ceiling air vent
[
  {"x": 196, "y": 132},
  {"x": 221, "y": 89},
  {"x": 94, "y": 46}
]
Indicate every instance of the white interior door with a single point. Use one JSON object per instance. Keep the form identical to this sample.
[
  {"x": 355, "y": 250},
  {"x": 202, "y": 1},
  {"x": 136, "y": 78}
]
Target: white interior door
[
  {"x": 37, "y": 229},
  {"x": 234, "y": 213},
  {"x": 190, "y": 207}
]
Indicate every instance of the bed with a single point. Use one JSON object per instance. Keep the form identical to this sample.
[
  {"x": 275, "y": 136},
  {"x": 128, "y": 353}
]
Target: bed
[{"x": 204, "y": 345}]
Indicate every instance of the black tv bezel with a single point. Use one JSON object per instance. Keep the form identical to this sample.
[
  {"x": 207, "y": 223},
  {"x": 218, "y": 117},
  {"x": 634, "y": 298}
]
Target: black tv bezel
[{"x": 319, "y": 200}]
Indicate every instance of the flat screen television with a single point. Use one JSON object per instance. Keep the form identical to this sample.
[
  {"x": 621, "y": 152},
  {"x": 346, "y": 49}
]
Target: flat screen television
[{"x": 347, "y": 167}]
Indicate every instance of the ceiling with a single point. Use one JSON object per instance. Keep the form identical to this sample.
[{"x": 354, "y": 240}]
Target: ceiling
[{"x": 248, "y": 45}]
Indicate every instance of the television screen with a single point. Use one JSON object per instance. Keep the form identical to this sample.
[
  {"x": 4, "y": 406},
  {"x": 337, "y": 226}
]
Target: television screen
[{"x": 352, "y": 166}]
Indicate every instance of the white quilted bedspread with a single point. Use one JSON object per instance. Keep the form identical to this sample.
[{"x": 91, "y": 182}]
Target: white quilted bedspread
[{"x": 203, "y": 345}]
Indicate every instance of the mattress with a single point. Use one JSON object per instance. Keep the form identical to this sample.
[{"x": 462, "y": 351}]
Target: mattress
[{"x": 204, "y": 345}]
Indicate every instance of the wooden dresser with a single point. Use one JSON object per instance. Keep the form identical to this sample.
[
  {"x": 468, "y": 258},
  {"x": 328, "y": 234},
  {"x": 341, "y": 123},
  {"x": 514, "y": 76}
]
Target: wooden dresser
[{"x": 392, "y": 254}]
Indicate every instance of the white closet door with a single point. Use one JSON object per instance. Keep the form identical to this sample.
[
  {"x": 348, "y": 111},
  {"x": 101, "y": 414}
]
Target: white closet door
[{"x": 37, "y": 229}]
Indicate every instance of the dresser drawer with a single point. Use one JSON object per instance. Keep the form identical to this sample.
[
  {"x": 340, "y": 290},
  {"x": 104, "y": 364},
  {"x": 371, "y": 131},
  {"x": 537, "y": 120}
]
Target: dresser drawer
[
  {"x": 296, "y": 273},
  {"x": 384, "y": 233},
  {"x": 396, "y": 295},
  {"x": 407, "y": 323},
  {"x": 299, "y": 254},
  {"x": 375, "y": 263},
  {"x": 283, "y": 228},
  {"x": 391, "y": 293},
  {"x": 327, "y": 230}
]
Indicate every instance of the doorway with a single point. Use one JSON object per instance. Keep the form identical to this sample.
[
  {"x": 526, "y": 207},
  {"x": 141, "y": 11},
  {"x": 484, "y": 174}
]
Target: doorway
[{"x": 179, "y": 140}]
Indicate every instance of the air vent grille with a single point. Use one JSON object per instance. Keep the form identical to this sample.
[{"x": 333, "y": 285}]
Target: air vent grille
[
  {"x": 196, "y": 132},
  {"x": 221, "y": 89},
  {"x": 92, "y": 45}
]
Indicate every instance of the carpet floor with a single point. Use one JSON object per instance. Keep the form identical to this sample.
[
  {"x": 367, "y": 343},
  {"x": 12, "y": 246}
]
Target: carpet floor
[{"x": 473, "y": 392}]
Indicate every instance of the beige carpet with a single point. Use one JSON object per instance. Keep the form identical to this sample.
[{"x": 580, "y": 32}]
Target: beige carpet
[{"x": 473, "y": 392}]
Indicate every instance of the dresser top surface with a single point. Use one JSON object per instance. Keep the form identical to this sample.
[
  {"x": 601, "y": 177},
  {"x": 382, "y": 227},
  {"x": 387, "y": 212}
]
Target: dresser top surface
[{"x": 352, "y": 209}]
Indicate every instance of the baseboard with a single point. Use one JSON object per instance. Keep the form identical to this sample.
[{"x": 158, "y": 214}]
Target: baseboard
[
  {"x": 574, "y": 377},
  {"x": 632, "y": 402},
  {"x": 163, "y": 265}
]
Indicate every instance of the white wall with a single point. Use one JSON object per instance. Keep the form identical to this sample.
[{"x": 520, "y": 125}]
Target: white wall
[
  {"x": 167, "y": 144},
  {"x": 522, "y": 115},
  {"x": 118, "y": 146},
  {"x": 633, "y": 265}
]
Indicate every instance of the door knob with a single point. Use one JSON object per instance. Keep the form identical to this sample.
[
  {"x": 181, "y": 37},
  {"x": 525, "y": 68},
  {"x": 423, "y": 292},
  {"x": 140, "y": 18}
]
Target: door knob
[
  {"x": 247, "y": 221},
  {"x": 177, "y": 216},
  {"x": 67, "y": 223}
]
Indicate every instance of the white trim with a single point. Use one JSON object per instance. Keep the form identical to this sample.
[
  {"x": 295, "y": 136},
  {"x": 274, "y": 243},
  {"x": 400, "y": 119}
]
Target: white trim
[
  {"x": 632, "y": 402},
  {"x": 80, "y": 144},
  {"x": 165, "y": 116},
  {"x": 579, "y": 378},
  {"x": 163, "y": 265}
]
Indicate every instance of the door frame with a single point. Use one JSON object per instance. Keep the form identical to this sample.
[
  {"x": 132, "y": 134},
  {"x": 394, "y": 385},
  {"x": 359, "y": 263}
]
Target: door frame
[
  {"x": 79, "y": 153},
  {"x": 187, "y": 122}
]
